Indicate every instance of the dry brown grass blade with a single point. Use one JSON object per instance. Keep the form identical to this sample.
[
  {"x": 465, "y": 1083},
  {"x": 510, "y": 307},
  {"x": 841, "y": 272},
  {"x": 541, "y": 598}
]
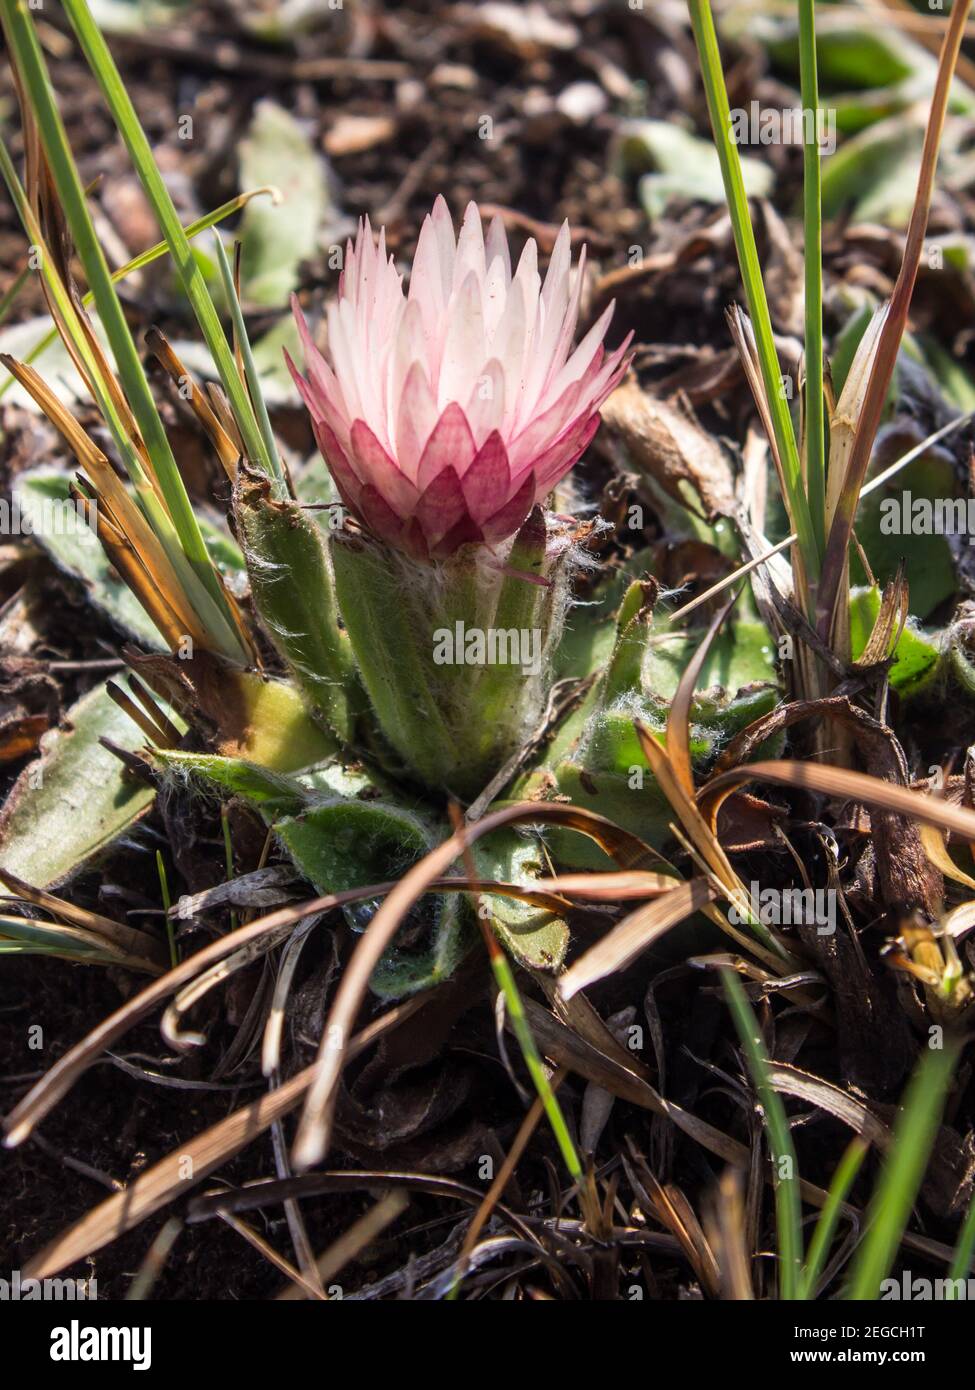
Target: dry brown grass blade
[
  {"x": 131, "y": 542},
  {"x": 726, "y": 1225},
  {"x": 352, "y": 1242},
  {"x": 846, "y": 412},
  {"x": 61, "y": 1077},
  {"x": 637, "y": 932},
  {"x": 311, "y": 1142},
  {"x": 684, "y": 807},
  {"x": 504, "y": 1174},
  {"x": 609, "y": 887},
  {"x": 271, "y": 1191},
  {"x": 579, "y": 1014},
  {"x": 743, "y": 337},
  {"x": 225, "y": 416},
  {"x": 126, "y": 559},
  {"x": 155, "y": 711},
  {"x": 704, "y": 841},
  {"x": 128, "y": 939},
  {"x": 56, "y": 243},
  {"x": 676, "y": 1215},
  {"x": 841, "y": 782},
  {"x": 74, "y": 436},
  {"x": 895, "y": 323},
  {"x": 137, "y": 714},
  {"x": 813, "y": 1090},
  {"x": 678, "y": 717},
  {"x": 937, "y": 851},
  {"x": 226, "y": 450},
  {"x": 889, "y": 624},
  {"x": 566, "y": 1049},
  {"x": 56, "y": 1082},
  {"x": 190, "y": 1163},
  {"x": 267, "y": 1250}
]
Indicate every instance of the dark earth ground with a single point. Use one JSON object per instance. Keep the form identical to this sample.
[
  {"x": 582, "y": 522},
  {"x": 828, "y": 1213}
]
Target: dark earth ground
[{"x": 453, "y": 1102}]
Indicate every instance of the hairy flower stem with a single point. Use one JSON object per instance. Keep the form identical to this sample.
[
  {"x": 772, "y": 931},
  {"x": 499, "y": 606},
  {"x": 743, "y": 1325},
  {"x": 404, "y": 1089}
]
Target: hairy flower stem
[{"x": 455, "y": 656}]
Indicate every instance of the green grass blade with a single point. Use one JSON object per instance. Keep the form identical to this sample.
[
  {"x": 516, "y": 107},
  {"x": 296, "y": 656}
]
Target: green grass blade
[
  {"x": 785, "y": 1169},
  {"x": 167, "y": 903},
  {"x": 903, "y": 1172},
  {"x": 102, "y": 64},
  {"x": 505, "y": 979},
  {"x": 32, "y": 68},
  {"x": 211, "y": 610},
  {"x": 706, "y": 38},
  {"x": 961, "y": 1265},
  {"x": 814, "y": 413},
  {"x": 250, "y": 367},
  {"x": 822, "y": 1240},
  {"x": 154, "y": 253}
]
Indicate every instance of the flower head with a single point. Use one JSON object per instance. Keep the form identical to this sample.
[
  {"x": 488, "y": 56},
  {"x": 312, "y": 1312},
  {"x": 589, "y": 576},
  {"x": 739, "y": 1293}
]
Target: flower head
[{"x": 445, "y": 414}]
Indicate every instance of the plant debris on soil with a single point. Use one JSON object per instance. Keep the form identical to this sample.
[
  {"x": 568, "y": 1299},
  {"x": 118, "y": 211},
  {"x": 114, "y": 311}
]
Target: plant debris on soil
[{"x": 540, "y": 112}]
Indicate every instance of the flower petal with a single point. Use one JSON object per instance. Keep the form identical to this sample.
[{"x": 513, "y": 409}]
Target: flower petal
[
  {"x": 378, "y": 517},
  {"x": 485, "y": 406},
  {"x": 464, "y": 349},
  {"x": 564, "y": 454},
  {"x": 488, "y": 479},
  {"x": 443, "y": 415},
  {"x": 415, "y": 420},
  {"x": 507, "y": 519},
  {"x": 466, "y": 532},
  {"x": 348, "y": 484},
  {"x": 377, "y": 469},
  {"x": 441, "y": 506},
  {"x": 450, "y": 446}
]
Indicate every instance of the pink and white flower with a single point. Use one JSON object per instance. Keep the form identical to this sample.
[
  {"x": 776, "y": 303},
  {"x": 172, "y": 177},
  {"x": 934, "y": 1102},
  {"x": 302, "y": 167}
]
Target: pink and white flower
[{"x": 444, "y": 415}]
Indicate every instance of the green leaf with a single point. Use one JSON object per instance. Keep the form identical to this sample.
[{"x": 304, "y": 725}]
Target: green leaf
[
  {"x": 589, "y": 637},
  {"x": 269, "y": 724},
  {"x": 534, "y": 936},
  {"x": 277, "y": 238},
  {"x": 682, "y": 165},
  {"x": 342, "y": 844},
  {"x": 643, "y": 810},
  {"x": 850, "y": 55},
  {"x": 293, "y": 591},
  {"x": 272, "y": 793},
  {"x": 875, "y": 173},
  {"x": 48, "y": 511},
  {"x": 929, "y": 563},
  {"x": 737, "y": 682},
  {"x": 76, "y": 798},
  {"x": 917, "y": 654}
]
